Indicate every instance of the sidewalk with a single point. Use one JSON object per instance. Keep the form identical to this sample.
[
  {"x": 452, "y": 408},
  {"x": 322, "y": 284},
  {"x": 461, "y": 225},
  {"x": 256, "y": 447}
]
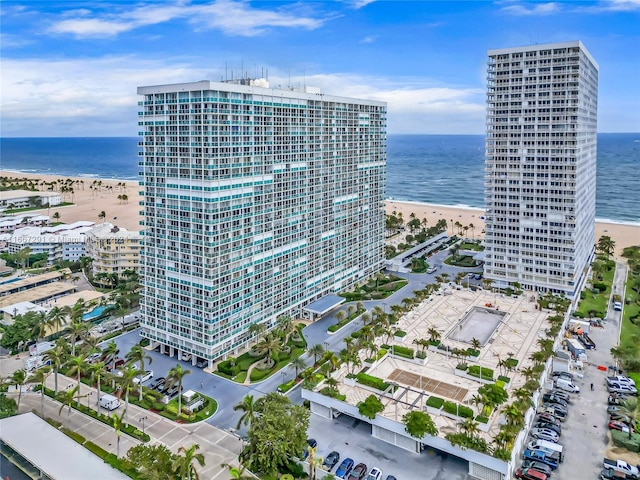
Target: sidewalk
[{"x": 216, "y": 445}]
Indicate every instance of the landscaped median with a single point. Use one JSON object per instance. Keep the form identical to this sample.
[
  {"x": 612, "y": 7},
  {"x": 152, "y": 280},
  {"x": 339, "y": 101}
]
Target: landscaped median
[{"x": 344, "y": 321}]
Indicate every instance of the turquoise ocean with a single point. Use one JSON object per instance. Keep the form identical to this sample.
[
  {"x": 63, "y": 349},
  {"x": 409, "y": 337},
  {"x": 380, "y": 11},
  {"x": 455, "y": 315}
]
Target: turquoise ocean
[{"x": 436, "y": 169}]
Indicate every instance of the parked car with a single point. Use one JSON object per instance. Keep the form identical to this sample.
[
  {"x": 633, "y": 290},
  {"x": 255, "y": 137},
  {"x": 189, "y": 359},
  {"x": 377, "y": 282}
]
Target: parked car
[
  {"x": 621, "y": 379},
  {"x": 619, "y": 417},
  {"x": 311, "y": 442},
  {"x": 614, "y": 408},
  {"x": 568, "y": 375},
  {"x": 616, "y": 399},
  {"x": 201, "y": 363},
  {"x": 542, "y": 457},
  {"x": 344, "y": 469},
  {"x": 530, "y": 474},
  {"x": 358, "y": 472},
  {"x": 545, "y": 434},
  {"x": 550, "y": 398},
  {"x": 556, "y": 407},
  {"x": 374, "y": 474},
  {"x": 610, "y": 474},
  {"x": 156, "y": 383},
  {"x": 618, "y": 425},
  {"x": 566, "y": 396},
  {"x": 391, "y": 477},
  {"x": 93, "y": 358},
  {"x": 145, "y": 377},
  {"x": 622, "y": 388},
  {"x": 331, "y": 460},
  {"x": 567, "y": 385},
  {"x": 533, "y": 465},
  {"x": 550, "y": 426},
  {"x": 617, "y": 306},
  {"x": 547, "y": 417}
]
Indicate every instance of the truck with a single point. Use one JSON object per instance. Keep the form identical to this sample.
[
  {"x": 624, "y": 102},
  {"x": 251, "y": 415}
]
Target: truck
[
  {"x": 109, "y": 402},
  {"x": 621, "y": 466},
  {"x": 586, "y": 341},
  {"x": 33, "y": 363},
  {"x": 609, "y": 474},
  {"x": 547, "y": 447},
  {"x": 40, "y": 348},
  {"x": 577, "y": 350},
  {"x": 540, "y": 456}
]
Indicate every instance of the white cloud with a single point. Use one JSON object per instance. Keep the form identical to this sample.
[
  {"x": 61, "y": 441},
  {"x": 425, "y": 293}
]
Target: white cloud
[
  {"x": 369, "y": 39},
  {"x": 97, "y": 97},
  {"x": 8, "y": 40},
  {"x": 230, "y": 16},
  {"x": 531, "y": 10},
  {"x": 621, "y": 5}
]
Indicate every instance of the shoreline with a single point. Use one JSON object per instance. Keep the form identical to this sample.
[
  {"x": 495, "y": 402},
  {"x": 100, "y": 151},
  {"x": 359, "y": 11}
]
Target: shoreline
[{"x": 88, "y": 203}]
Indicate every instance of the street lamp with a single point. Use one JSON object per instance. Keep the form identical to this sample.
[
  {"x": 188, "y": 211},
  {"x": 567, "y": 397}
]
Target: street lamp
[
  {"x": 142, "y": 420},
  {"x": 88, "y": 395},
  {"x": 326, "y": 346},
  {"x": 282, "y": 375}
]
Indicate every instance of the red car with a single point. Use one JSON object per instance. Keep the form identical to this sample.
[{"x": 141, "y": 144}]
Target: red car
[
  {"x": 358, "y": 472},
  {"x": 616, "y": 425},
  {"x": 530, "y": 474}
]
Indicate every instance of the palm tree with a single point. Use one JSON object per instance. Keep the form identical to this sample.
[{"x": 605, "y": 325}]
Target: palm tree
[
  {"x": 475, "y": 343},
  {"x": 316, "y": 350},
  {"x": 96, "y": 371},
  {"x": 126, "y": 381},
  {"x": 271, "y": 346},
  {"x": 631, "y": 410},
  {"x": 184, "y": 464},
  {"x": 57, "y": 317},
  {"x": 285, "y": 326},
  {"x": 40, "y": 377},
  {"x": 135, "y": 355},
  {"x": 175, "y": 375},
  {"x": 102, "y": 215},
  {"x": 298, "y": 363},
  {"x": 40, "y": 328},
  {"x": 18, "y": 379},
  {"x": 110, "y": 351},
  {"x": 118, "y": 423},
  {"x": 68, "y": 397},
  {"x": 75, "y": 329},
  {"x": 77, "y": 364},
  {"x": 434, "y": 335},
  {"x": 57, "y": 358},
  {"x": 237, "y": 473},
  {"x": 340, "y": 316},
  {"x": 256, "y": 329},
  {"x": 248, "y": 407}
]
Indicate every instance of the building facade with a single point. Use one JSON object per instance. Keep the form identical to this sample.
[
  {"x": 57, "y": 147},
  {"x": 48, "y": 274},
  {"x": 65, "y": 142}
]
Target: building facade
[
  {"x": 540, "y": 171},
  {"x": 61, "y": 242},
  {"x": 113, "y": 250},
  {"x": 258, "y": 201}
]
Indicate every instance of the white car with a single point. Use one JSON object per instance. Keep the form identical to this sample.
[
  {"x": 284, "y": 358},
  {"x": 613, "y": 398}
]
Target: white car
[
  {"x": 621, "y": 380},
  {"x": 617, "y": 306},
  {"x": 374, "y": 474},
  {"x": 145, "y": 377},
  {"x": 623, "y": 388},
  {"x": 545, "y": 434}
]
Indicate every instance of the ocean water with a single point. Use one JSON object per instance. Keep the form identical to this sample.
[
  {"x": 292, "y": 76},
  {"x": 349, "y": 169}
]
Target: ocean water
[{"x": 440, "y": 169}]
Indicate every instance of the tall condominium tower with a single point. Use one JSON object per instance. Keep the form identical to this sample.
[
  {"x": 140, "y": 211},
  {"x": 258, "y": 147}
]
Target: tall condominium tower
[
  {"x": 258, "y": 201},
  {"x": 540, "y": 187}
]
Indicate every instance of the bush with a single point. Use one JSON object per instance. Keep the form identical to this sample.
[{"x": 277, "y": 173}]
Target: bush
[
  {"x": 502, "y": 378},
  {"x": 484, "y": 373},
  {"x": 621, "y": 439},
  {"x": 462, "y": 366},
  {"x": 400, "y": 334},
  {"x": 225, "y": 367},
  {"x": 371, "y": 381},
  {"x": 96, "y": 449},
  {"x": 76, "y": 436},
  {"x": 403, "y": 351},
  {"x": 601, "y": 287},
  {"x": 457, "y": 409},
  {"x": 482, "y": 419},
  {"x": 435, "y": 402}
]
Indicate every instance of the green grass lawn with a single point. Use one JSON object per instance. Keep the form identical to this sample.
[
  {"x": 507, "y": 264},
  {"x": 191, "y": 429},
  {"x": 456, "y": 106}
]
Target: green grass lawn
[
  {"x": 630, "y": 310},
  {"x": 597, "y": 302},
  {"x": 464, "y": 261},
  {"x": 471, "y": 246}
]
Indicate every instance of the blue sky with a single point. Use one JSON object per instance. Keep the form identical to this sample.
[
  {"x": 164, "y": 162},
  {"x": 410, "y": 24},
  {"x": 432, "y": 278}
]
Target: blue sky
[{"x": 71, "y": 68}]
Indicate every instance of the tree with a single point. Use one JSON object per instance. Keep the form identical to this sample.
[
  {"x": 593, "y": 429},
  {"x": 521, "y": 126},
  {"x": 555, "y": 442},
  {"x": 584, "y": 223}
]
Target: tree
[
  {"x": 18, "y": 379},
  {"x": 57, "y": 358},
  {"x": 277, "y": 434},
  {"x": 185, "y": 463},
  {"x": 176, "y": 375},
  {"x": 418, "y": 424},
  {"x": 256, "y": 329},
  {"x": 248, "y": 407},
  {"x": 75, "y": 329},
  {"x": 57, "y": 318},
  {"x": 102, "y": 215},
  {"x": 237, "y": 473},
  {"x": 126, "y": 381},
  {"x": 76, "y": 364},
  {"x": 298, "y": 363},
  {"x": 316, "y": 350},
  {"x": 493, "y": 394},
  {"x": 68, "y": 397},
  {"x": 118, "y": 423},
  {"x": 152, "y": 462},
  {"x": 434, "y": 335},
  {"x": 110, "y": 352},
  {"x": 135, "y": 355},
  {"x": 370, "y": 407},
  {"x": 56, "y": 216},
  {"x": 40, "y": 377},
  {"x": 96, "y": 371},
  {"x": 270, "y": 345},
  {"x": 606, "y": 245},
  {"x": 475, "y": 343},
  {"x": 631, "y": 410}
]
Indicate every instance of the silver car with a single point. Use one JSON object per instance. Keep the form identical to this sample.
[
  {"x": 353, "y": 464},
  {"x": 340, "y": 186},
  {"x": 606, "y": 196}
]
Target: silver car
[{"x": 545, "y": 434}]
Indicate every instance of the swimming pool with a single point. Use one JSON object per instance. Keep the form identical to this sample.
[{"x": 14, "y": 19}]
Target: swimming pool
[{"x": 96, "y": 312}]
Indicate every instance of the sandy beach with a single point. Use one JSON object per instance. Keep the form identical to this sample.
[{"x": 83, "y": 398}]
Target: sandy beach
[{"x": 89, "y": 202}]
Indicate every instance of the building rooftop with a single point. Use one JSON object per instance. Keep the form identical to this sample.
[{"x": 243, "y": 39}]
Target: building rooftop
[
  {"x": 108, "y": 230},
  {"x": 27, "y": 282},
  {"x": 50, "y": 450},
  {"x": 15, "y": 194}
]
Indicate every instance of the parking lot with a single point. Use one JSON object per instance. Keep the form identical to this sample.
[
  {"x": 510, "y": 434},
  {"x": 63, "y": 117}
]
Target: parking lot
[
  {"x": 585, "y": 432},
  {"x": 352, "y": 438}
]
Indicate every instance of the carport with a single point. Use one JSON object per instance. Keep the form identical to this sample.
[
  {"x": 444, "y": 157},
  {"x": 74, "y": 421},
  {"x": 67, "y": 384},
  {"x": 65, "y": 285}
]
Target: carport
[{"x": 323, "y": 305}]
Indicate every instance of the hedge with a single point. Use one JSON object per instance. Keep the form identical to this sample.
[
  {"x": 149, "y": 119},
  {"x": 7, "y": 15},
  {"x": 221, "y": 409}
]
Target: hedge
[
  {"x": 621, "y": 439},
  {"x": 96, "y": 449},
  {"x": 400, "y": 333},
  {"x": 475, "y": 371},
  {"x": 403, "y": 351},
  {"x": 457, "y": 409},
  {"x": 435, "y": 402},
  {"x": 482, "y": 419},
  {"x": 371, "y": 381},
  {"x": 502, "y": 378}
]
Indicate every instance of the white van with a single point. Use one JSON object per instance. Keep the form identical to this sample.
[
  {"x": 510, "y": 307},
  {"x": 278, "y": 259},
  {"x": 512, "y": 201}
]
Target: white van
[
  {"x": 33, "y": 363},
  {"x": 109, "y": 402},
  {"x": 40, "y": 348},
  {"x": 567, "y": 385},
  {"x": 547, "y": 446}
]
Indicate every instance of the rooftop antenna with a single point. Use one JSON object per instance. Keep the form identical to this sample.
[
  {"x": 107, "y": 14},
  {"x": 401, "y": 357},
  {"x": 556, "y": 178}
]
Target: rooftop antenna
[{"x": 226, "y": 74}]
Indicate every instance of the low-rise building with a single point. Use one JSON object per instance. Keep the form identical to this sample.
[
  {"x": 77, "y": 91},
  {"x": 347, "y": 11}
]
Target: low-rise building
[
  {"x": 12, "y": 199},
  {"x": 10, "y": 223},
  {"x": 113, "y": 250}
]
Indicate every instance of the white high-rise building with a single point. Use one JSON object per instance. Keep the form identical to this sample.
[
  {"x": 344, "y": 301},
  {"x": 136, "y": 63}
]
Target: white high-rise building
[
  {"x": 540, "y": 183},
  {"x": 258, "y": 202}
]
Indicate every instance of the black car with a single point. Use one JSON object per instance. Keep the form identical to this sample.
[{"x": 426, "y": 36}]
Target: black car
[
  {"x": 391, "y": 477},
  {"x": 539, "y": 466},
  {"x": 156, "y": 383},
  {"x": 358, "y": 472},
  {"x": 312, "y": 443},
  {"x": 331, "y": 460},
  {"x": 551, "y": 398},
  {"x": 550, "y": 426}
]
